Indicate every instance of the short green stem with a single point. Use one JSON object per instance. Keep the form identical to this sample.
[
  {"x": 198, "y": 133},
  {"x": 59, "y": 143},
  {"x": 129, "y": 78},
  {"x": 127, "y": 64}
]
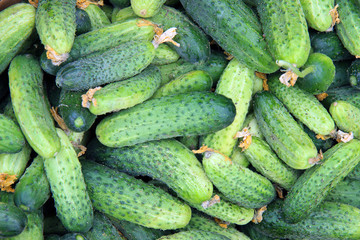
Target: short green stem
[{"x": 288, "y": 65}]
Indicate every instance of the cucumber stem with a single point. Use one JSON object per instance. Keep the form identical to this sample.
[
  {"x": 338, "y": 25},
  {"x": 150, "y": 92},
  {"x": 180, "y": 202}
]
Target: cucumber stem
[{"x": 288, "y": 65}]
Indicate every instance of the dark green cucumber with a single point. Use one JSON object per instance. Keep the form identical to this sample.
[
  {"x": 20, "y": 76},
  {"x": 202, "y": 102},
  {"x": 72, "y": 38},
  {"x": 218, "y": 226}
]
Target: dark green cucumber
[
  {"x": 72, "y": 202},
  {"x": 107, "y": 66},
  {"x": 194, "y": 45},
  {"x": 31, "y": 106},
  {"x": 312, "y": 187},
  {"x": 11, "y": 138},
  {"x": 193, "y": 81},
  {"x": 285, "y": 30},
  {"x": 329, "y": 221},
  {"x": 146, "y": 9},
  {"x": 125, "y": 94},
  {"x": 12, "y": 220},
  {"x": 83, "y": 24},
  {"x": 195, "y": 235},
  {"x": 167, "y": 117},
  {"x": 166, "y": 160},
  {"x": 17, "y": 24},
  {"x": 346, "y": 117},
  {"x": 235, "y": 28},
  {"x": 53, "y": 225},
  {"x": 341, "y": 74},
  {"x": 354, "y": 74},
  {"x": 165, "y": 55},
  {"x": 346, "y": 192},
  {"x": 282, "y": 132},
  {"x": 108, "y": 9},
  {"x": 33, "y": 189},
  {"x": 345, "y": 93},
  {"x": 73, "y": 236},
  {"x": 303, "y": 105},
  {"x": 103, "y": 229},
  {"x": 317, "y": 13},
  {"x": 98, "y": 18},
  {"x": 124, "y": 197},
  {"x": 76, "y": 117},
  {"x": 191, "y": 142},
  {"x": 33, "y": 229}
]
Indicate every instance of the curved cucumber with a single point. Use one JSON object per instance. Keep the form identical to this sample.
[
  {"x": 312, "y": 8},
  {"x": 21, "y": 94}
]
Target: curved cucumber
[
  {"x": 166, "y": 117},
  {"x": 12, "y": 220},
  {"x": 317, "y": 13},
  {"x": 11, "y": 138},
  {"x": 31, "y": 107},
  {"x": 346, "y": 117},
  {"x": 147, "y": 8}
]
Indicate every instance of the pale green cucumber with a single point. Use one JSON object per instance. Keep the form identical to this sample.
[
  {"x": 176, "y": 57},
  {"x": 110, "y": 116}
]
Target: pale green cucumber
[
  {"x": 11, "y": 138},
  {"x": 33, "y": 229},
  {"x": 165, "y": 55},
  {"x": 125, "y": 94},
  {"x": 194, "y": 235},
  {"x": 98, "y": 18},
  {"x": 124, "y": 14},
  {"x": 31, "y": 106},
  {"x": 317, "y": 13},
  {"x": 72, "y": 202},
  {"x": 346, "y": 117},
  {"x": 147, "y": 8}
]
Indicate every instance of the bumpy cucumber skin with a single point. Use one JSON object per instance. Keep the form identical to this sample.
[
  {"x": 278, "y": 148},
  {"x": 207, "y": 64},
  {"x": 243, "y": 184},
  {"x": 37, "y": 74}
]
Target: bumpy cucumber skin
[
  {"x": 17, "y": 23},
  {"x": 303, "y": 105},
  {"x": 346, "y": 192},
  {"x": 11, "y": 138},
  {"x": 72, "y": 202},
  {"x": 83, "y": 24},
  {"x": 33, "y": 229},
  {"x": 56, "y": 24},
  {"x": 195, "y": 235},
  {"x": 15, "y": 163},
  {"x": 33, "y": 189},
  {"x": 148, "y": 8},
  {"x": 312, "y": 187},
  {"x": 103, "y": 229},
  {"x": 111, "y": 65},
  {"x": 124, "y": 197},
  {"x": 123, "y": 14},
  {"x": 167, "y": 117},
  {"x": 329, "y": 221},
  {"x": 239, "y": 184},
  {"x": 165, "y": 55},
  {"x": 346, "y": 93},
  {"x": 285, "y": 30},
  {"x": 282, "y": 132},
  {"x": 12, "y": 220},
  {"x": 97, "y": 16},
  {"x": 166, "y": 160},
  {"x": 233, "y": 30},
  {"x": 348, "y": 29},
  {"x": 317, "y": 13},
  {"x": 194, "y": 44},
  {"x": 31, "y": 107},
  {"x": 125, "y": 94},
  {"x": 346, "y": 117},
  {"x": 193, "y": 81},
  {"x": 236, "y": 83}
]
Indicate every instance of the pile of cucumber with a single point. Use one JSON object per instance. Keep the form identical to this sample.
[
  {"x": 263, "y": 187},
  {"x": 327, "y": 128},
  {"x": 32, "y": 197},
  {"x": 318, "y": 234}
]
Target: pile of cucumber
[{"x": 180, "y": 119}]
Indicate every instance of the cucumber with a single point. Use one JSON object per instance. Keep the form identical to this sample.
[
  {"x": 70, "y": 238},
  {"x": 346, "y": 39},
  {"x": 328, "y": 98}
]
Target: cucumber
[
  {"x": 107, "y": 10},
  {"x": 107, "y": 66},
  {"x": 102, "y": 229},
  {"x": 126, "y": 198},
  {"x": 341, "y": 74},
  {"x": 120, "y": 3},
  {"x": 83, "y": 24},
  {"x": 346, "y": 192},
  {"x": 329, "y": 221},
  {"x": 33, "y": 229},
  {"x": 76, "y": 117},
  {"x": 166, "y": 160},
  {"x": 72, "y": 202},
  {"x": 236, "y": 83},
  {"x": 98, "y": 18},
  {"x": 125, "y": 94},
  {"x": 303, "y": 105},
  {"x": 285, "y": 30},
  {"x": 165, "y": 55},
  {"x": 282, "y": 132},
  {"x": 313, "y": 186},
  {"x": 166, "y": 117},
  {"x": 238, "y": 157},
  {"x": 11, "y": 138},
  {"x": 31, "y": 107},
  {"x": 33, "y": 189},
  {"x": 354, "y": 74},
  {"x": 193, "y": 81},
  {"x": 148, "y": 8},
  {"x": 348, "y": 29},
  {"x": 56, "y": 25},
  {"x": 123, "y": 14},
  {"x": 12, "y": 220},
  {"x": 345, "y": 93},
  {"x": 320, "y": 144},
  {"x": 235, "y": 28},
  {"x": 317, "y": 13},
  {"x": 17, "y": 24},
  {"x": 346, "y": 117},
  {"x": 195, "y": 235}
]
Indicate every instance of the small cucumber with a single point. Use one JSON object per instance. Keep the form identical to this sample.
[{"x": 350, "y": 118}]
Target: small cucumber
[
  {"x": 11, "y": 138},
  {"x": 165, "y": 55},
  {"x": 317, "y": 13},
  {"x": 167, "y": 117},
  {"x": 124, "y": 14},
  {"x": 12, "y": 220},
  {"x": 103, "y": 229},
  {"x": 194, "y": 235},
  {"x": 147, "y": 8},
  {"x": 31, "y": 107},
  {"x": 354, "y": 74},
  {"x": 312, "y": 187},
  {"x": 33, "y": 229},
  {"x": 346, "y": 192},
  {"x": 83, "y": 24},
  {"x": 98, "y": 18},
  {"x": 346, "y": 117},
  {"x": 126, "y": 198}
]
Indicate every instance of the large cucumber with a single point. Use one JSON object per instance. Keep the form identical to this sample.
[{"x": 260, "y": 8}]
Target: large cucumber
[
  {"x": 317, "y": 13},
  {"x": 11, "y": 138}
]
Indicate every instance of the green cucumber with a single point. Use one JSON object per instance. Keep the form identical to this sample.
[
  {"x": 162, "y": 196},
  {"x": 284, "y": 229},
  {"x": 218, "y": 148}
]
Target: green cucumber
[
  {"x": 235, "y": 28},
  {"x": 72, "y": 202},
  {"x": 236, "y": 83},
  {"x": 252, "y": 125},
  {"x": 346, "y": 192},
  {"x": 303, "y": 105},
  {"x": 107, "y": 10},
  {"x": 313, "y": 186},
  {"x": 238, "y": 157},
  {"x": 12, "y": 220},
  {"x": 341, "y": 74},
  {"x": 167, "y": 117},
  {"x": 166, "y": 160},
  {"x": 193, "y": 81},
  {"x": 320, "y": 144},
  {"x": 11, "y": 138},
  {"x": 125, "y": 94},
  {"x": 239, "y": 184},
  {"x": 73, "y": 236},
  {"x": 165, "y": 55},
  {"x": 285, "y": 30},
  {"x": 194, "y": 235},
  {"x": 346, "y": 117},
  {"x": 317, "y": 13},
  {"x": 282, "y": 132},
  {"x": 120, "y": 3},
  {"x": 354, "y": 74},
  {"x": 32, "y": 190},
  {"x": 147, "y": 8},
  {"x": 76, "y": 117},
  {"x": 33, "y": 229},
  {"x": 17, "y": 24},
  {"x": 31, "y": 107},
  {"x": 98, "y": 18},
  {"x": 102, "y": 229},
  {"x": 345, "y": 93},
  {"x": 107, "y": 66},
  {"x": 126, "y": 198},
  {"x": 124, "y": 14},
  {"x": 56, "y": 25},
  {"x": 83, "y": 24},
  {"x": 265, "y": 161}
]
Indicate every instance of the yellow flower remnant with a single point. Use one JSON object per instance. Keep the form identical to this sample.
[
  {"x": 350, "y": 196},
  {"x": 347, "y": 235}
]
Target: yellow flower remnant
[
  {"x": 317, "y": 159},
  {"x": 34, "y": 3},
  {"x": 211, "y": 202},
  {"x": 82, "y": 4},
  {"x": 56, "y": 59},
  {"x": 289, "y": 78},
  {"x": 258, "y": 215},
  {"x": 245, "y": 134},
  {"x": 335, "y": 17},
  {"x": 59, "y": 120},
  {"x": 167, "y": 36},
  {"x": 321, "y": 96},
  {"x": 89, "y": 97},
  {"x": 205, "y": 148},
  {"x": 264, "y": 78},
  {"x": 6, "y": 181},
  {"x": 222, "y": 223}
]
